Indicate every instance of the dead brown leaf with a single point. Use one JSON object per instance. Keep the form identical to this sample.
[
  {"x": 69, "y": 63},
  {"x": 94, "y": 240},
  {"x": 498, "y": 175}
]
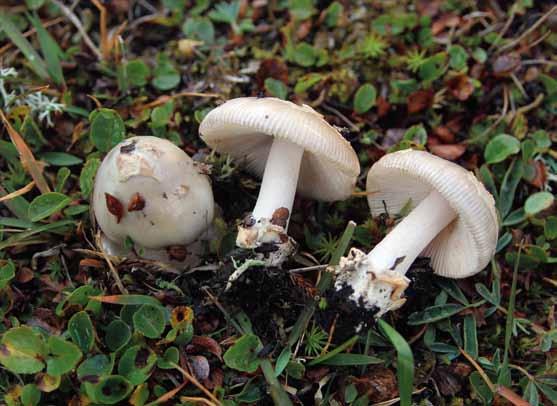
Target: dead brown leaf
[
  {"x": 504, "y": 65},
  {"x": 460, "y": 87},
  {"x": 445, "y": 21},
  {"x": 448, "y": 151},
  {"x": 199, "y": 343},
  {"x": 271, "y": 68},
  {"x": 379, "y": 384},
  {"x": 512, "y": 397},
  {"x": 444, "y": 134},
  {"x": 420, "y": 100}
]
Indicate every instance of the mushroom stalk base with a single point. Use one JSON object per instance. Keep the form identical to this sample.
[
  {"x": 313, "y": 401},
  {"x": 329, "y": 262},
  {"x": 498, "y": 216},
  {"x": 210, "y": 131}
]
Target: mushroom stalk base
[
  {"x": 377, "y": 279},
  {"x": 266, "y": 229},
  {"x": 160, "y": 256}
]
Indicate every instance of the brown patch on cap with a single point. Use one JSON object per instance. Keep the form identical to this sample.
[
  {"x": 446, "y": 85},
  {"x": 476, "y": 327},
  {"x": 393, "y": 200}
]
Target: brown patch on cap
[
  {"x": 128, "y": 148},
  {"x": 114, "y": 206},
  {"x": 137, "y": 202},
  {"x": 177, "y": 252},
  {"x": 280, "y": 217}
]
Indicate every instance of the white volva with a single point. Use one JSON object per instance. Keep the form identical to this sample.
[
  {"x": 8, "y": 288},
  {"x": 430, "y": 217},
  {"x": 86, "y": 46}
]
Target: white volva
[{"x": 453, "y": 221}]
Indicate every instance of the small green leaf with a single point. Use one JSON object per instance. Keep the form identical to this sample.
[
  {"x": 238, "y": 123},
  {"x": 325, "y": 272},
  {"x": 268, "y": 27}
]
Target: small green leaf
[
  {"x": 34, "y": 4},
  {"x": 47, "y": 204},
  {"x": 149, "y": 320},
  {"x": 107, "y": 129},
  {"x": 276, "y": 88},
  {"x": 22, "y": 351},
  {"x": 30, "y": 395},
  {"x": 282, "y": 360},
  {"x": 61, "y": 159},
  {"x": 87, "y": 176},
  {"x": 500, "y": 148},
  {"x": 170, "y": 358},
  {"x": 95, "y": 367},
  {"x": 82, "y": 331},
  {"x": 458, "y": 57},
  {"x": 111, "y": 390},
  {"x": 166, "y": 76},
  {"x": 118, "y": 334},
  {"x": 137, "y": 363},
  {"x": 61, "y": 178},
  {"x": 347, "y": 359},
  {"x": 301, "y": 9},
  {"x": 550, "y": 229},
  {"x": 304, "y": 55},
  {"x": 242, "y": 356},
  {"x": 480, "y": 388},
  {"x": 538, "y": 202},
  {"x": 434, "y": 313},
  {"x": 470, "y": 336},
  {"x": 199, "y": 28},
  {"x": 137, "y": 72},
  {"x": 64, "y": 356},
  {"x": 365, "y": 98},
  {"x": 161, "y": 115},
  {"x": 7, "y": 273}
]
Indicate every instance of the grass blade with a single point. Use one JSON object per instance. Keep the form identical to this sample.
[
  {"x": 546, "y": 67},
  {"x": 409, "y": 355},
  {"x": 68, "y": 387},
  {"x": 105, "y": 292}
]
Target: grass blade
[
  {"x": 35, "y": 61},
  {"x": 405, "y": 362},
  {"x": 331, "y": 354},
  {"x": 26, "y": 156},
  {"x": 50, "y": 50}
]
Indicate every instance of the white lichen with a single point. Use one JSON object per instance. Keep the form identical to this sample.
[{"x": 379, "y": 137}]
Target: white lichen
[{"x": 38, "y": 103}]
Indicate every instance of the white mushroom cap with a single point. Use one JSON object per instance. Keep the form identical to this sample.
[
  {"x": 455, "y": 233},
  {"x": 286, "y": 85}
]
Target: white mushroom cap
[
  {"x": 245, "y": 128},
  {"x": 468, "y": 243},
  {"x": 177, "y": 200}
]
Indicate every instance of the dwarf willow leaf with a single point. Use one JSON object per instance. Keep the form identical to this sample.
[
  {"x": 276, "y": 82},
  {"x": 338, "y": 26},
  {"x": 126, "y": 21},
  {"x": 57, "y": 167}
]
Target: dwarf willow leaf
[
  {"x": 22, "y": 351},
  {"x": 47, "y": 204},
  {"x": 242, "y": 356},
  {"x": 63, "y": 356},
  {"x": 365, "y": 98},
  {"x": 500, "y": 148},
  {"x": 107, "y": 129},
  {"x": 149, "y": 320},
  {"x": 82, "y": 331}
]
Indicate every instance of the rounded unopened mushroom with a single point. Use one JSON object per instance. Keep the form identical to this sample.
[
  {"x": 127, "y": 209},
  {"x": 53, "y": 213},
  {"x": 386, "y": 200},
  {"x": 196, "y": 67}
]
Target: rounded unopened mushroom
[
  {"x": 294, "y": 149},
  {"x": 151, "y": 191},
  {"x": 453, "y": 222}
]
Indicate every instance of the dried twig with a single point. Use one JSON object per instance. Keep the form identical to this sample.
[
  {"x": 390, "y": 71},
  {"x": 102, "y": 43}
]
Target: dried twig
[
  {"x": 531, "y": 29},
  {"x": 26, "y": 156},
  {"x": 18, "y": 192},
  {"x": 77, "y": 23}
]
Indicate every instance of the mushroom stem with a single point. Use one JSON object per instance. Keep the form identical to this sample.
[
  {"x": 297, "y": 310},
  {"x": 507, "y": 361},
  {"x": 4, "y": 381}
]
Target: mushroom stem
[
  {"x": 398, "y": 250},
  {"x": 280, "y": 179}
]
